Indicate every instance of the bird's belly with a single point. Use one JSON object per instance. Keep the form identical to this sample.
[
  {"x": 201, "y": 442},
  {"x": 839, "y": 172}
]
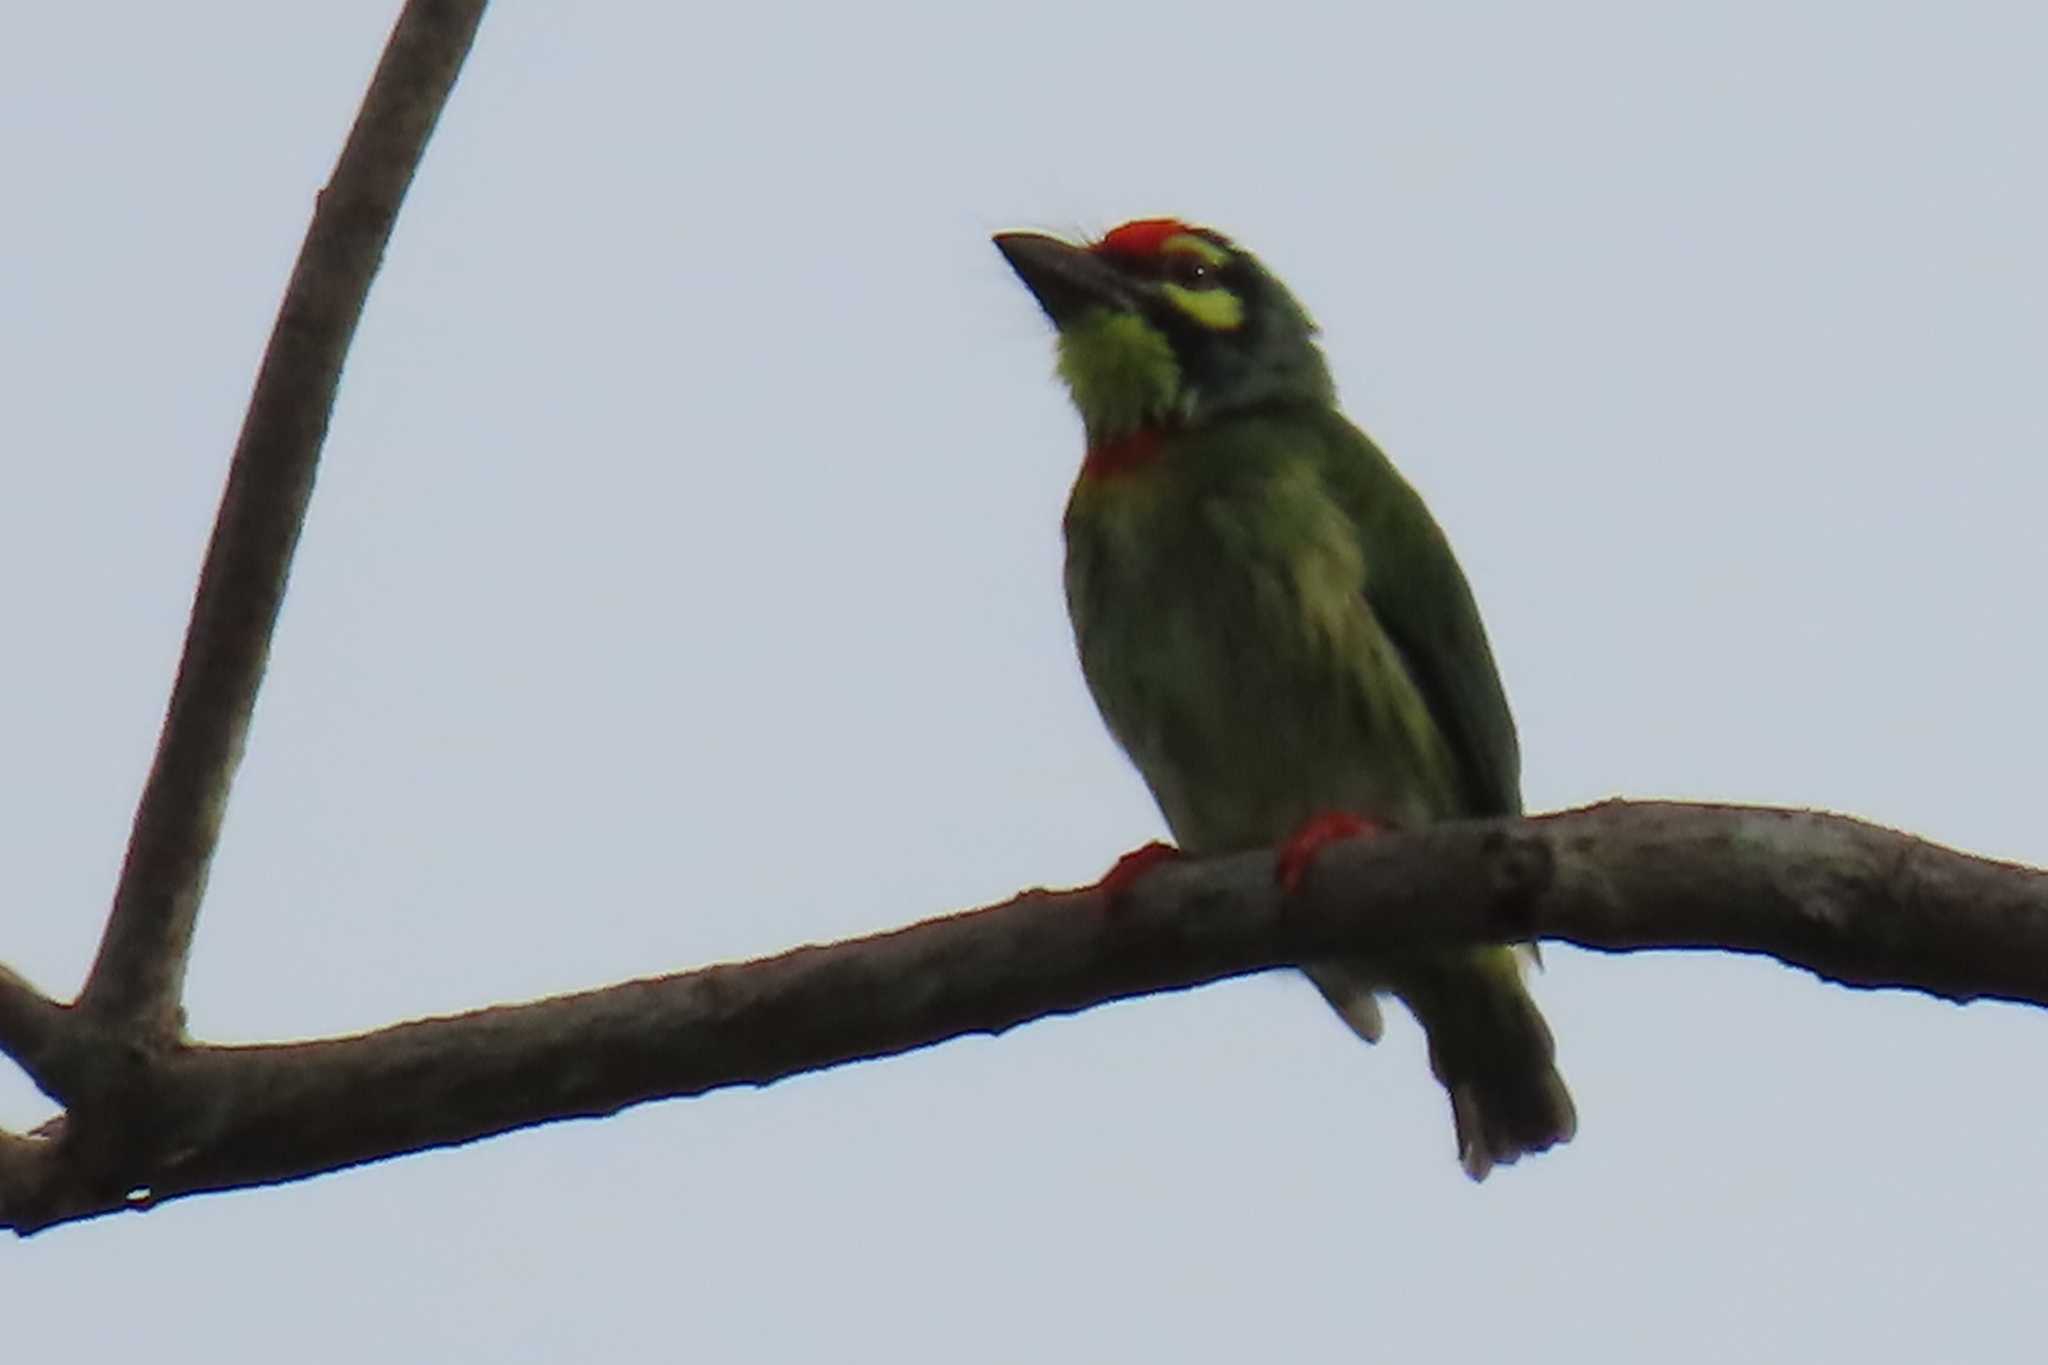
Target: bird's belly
[{"x": 1252, "y": 696}]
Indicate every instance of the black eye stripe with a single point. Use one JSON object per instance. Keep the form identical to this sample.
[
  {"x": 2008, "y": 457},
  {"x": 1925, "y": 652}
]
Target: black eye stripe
[{"x": 1183, "y": 268}]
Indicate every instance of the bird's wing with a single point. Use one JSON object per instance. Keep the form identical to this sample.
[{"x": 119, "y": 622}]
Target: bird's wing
[{"x": 1419, "y": 595}]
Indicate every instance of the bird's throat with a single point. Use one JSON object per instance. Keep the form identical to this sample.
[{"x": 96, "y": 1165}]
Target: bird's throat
[{"x": 1121, "y": 371}]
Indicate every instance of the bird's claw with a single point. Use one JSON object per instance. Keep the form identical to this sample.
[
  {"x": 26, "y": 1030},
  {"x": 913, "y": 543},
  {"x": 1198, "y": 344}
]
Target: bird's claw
[
  {"x": 1116, "y": 883},
  {"x": 1298, "y": 853}
]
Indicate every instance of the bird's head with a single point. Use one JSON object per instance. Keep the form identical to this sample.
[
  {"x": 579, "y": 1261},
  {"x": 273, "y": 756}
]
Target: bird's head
[{"x": 1165, "y": 324}]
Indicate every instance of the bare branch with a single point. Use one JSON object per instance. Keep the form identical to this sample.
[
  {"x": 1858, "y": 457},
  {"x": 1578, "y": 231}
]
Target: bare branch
[
  {"x": 137, "y": 978},
  {"x": 31, "y": 1029},
  {"x": 1849, "y": 901},
  {"x": 25, "y": 1168}
]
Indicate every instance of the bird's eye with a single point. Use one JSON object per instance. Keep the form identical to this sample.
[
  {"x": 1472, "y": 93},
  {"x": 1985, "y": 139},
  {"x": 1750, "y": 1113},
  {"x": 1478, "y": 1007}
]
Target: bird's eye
[{"x": 1190, "y": 271}]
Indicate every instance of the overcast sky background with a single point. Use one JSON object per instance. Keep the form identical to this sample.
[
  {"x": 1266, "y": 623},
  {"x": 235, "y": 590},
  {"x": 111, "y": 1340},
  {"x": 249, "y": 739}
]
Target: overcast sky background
[{"x": 682, "y": 585}]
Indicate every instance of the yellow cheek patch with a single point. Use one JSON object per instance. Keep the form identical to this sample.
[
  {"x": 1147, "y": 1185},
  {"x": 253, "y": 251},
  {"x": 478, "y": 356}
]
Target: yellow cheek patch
[{"x": 1217, "y": 309}]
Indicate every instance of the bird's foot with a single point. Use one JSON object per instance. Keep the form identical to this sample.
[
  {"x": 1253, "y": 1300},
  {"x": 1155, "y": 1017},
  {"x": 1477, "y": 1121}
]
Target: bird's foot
[
  {"x": 1116, "y": 883},
  {"x": 1295, "y": 856}
]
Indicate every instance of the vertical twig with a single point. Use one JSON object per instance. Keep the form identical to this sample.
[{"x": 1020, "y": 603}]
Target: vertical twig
[{"x": 137, "y": 978}]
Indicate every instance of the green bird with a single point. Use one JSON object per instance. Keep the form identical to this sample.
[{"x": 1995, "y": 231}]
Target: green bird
[{"x": 1275, "y": 630}]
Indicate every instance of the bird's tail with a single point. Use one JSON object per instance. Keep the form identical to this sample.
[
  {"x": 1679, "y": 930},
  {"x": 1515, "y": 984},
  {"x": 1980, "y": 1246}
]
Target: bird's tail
[{"x": 1488, "y": 1044}]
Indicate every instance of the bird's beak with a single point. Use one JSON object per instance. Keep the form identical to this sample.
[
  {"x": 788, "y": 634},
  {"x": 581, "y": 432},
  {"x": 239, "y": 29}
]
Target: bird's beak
[{"x": 1066, "y": 280}]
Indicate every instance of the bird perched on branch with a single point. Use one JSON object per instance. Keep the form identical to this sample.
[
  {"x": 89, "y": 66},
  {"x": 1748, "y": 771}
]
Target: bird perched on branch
[{"x": 1274, "y": 628}]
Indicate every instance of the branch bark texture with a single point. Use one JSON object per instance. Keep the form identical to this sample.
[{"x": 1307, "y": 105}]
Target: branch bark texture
[
  {"x": 1851, "y": 902},
  {"x": 137, "y": 977}
]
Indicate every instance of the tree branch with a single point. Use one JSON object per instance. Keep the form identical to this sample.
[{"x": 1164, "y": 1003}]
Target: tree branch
[
  {"x": 24, "y": 1168},
  {"x": 32, "y": 1030},
  {"x": 1849, "y": 901},
  {"x": 137, "y": 978}
]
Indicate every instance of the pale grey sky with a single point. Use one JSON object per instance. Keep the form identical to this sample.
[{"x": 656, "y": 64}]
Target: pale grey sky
[{"x": 682, "y": 584}]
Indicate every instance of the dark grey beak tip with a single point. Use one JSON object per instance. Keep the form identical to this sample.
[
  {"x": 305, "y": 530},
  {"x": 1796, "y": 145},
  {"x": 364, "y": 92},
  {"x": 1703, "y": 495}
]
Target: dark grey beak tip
[
  {"x": 1066, "y": 280},
  {"x": 1031, "y": 253},
  {"x": 1006, "y": 242}
]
